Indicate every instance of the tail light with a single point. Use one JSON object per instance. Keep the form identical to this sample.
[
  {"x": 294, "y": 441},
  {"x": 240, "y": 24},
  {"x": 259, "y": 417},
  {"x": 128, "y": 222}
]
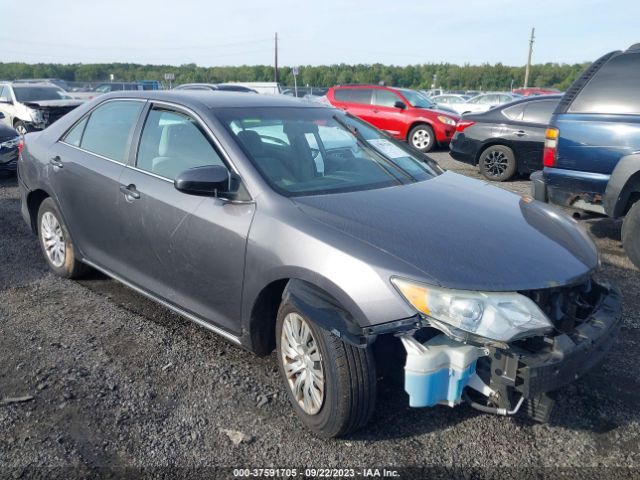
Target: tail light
[
  {"x": 20, "y": 145},
  {"x": 550, "y": 147},
  {"x": 463, "y": 124}
]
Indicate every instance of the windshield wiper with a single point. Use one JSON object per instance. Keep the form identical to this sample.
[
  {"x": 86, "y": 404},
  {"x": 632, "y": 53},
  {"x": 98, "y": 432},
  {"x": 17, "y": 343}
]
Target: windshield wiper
[{"x": 365, "y": 144}]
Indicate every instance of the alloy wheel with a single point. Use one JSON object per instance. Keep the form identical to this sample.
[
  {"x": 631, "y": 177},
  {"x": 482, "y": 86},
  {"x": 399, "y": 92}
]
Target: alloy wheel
[
  {"x": 53, "y": 239},
  {"x": 302, "y": 362},
  {"x": 495, "y": 163}
]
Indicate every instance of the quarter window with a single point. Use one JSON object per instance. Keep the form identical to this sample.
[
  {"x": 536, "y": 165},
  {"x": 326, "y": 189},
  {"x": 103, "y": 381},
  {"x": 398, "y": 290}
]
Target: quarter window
[
  {"x": 172, "y": 142},
  {"x": 74, "y": 137},
  {"x": 108, "y": 130}
]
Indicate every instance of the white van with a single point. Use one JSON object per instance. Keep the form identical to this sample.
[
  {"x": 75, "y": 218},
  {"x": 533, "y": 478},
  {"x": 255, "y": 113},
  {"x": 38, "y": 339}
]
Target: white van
[{"x": 269, "y": 88}]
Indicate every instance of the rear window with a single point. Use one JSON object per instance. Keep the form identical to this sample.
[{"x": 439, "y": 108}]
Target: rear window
[
  {"x": 615, "y": 88},
  {"x": 353, "y": 95}
]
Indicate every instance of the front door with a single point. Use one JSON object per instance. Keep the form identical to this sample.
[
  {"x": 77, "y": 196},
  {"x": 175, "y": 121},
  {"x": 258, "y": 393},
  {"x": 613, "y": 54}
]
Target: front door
[{"x": 188, "y": 250}]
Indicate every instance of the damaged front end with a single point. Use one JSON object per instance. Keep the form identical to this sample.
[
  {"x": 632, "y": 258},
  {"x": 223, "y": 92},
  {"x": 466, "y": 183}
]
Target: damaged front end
[{"x": 448, "y": 366}]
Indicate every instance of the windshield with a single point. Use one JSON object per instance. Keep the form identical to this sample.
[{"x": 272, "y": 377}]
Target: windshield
[
  {"x": 416, "y": 99},
  {"x": 308, "y": 151},
  {"x": 34, "y": 94}
]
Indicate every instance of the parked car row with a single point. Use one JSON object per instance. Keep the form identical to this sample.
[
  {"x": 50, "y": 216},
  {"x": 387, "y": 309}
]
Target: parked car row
[{"x": 10, "y": 144}]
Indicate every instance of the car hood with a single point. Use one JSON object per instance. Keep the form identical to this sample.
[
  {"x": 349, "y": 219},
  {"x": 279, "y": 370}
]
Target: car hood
[
  {"x": 463, "y": 233},
  {"x": 440, "y": 109},
  {"x": 53, "y": 103}
]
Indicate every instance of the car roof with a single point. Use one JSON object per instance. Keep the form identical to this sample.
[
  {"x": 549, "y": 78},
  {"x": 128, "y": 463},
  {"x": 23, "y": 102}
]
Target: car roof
[
  {"x": 533, "y": 98},
  {"x": 32, "y": 84},
  {"x": 215, "y": 99}
]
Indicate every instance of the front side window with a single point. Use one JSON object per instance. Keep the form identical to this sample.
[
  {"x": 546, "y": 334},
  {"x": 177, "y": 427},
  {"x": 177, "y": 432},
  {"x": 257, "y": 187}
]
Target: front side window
[
  {"x": 109, "y": 127},
  {"x": 173, "y": 142},
  {"x": 325, "y": 151},
  {"x": 416, "y": 99},
  {"x": 385, "y": 98}
]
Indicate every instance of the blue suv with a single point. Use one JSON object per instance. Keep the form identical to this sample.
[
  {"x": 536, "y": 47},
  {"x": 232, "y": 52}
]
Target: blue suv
[{"x": 592, "y": 148}]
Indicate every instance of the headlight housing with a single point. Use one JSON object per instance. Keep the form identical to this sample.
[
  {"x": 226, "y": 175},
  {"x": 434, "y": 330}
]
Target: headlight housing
[
  {"x": 498, "y": 316},
  {"x": 36, "y": 115},
  {"x": 446, "y": 120}
]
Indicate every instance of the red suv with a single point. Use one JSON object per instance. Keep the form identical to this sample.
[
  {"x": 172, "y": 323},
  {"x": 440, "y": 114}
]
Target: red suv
[{"x": 403, "y": 113}]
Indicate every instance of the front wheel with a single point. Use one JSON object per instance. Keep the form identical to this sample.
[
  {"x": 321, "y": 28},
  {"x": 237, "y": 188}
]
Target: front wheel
[
  {"x": 631, "y": 234},
  {"x": 498, "y": 163},
  {"x": 22, "y": 128},
  {"x": 421, "y": 137},
  {"x": 331, "y": 384}
]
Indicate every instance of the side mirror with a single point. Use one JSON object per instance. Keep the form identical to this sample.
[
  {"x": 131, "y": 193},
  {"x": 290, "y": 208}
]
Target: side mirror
[
  {"x": 208, "y": 181},
  {"x": 1, "y": 115},
  {"x": 5, "y": 100},
  {"x": 400, "y": 105}
]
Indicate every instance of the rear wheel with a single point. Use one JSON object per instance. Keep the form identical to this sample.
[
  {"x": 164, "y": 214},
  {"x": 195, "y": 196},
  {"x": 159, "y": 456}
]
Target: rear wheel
[
  {"x": 56, "y": 243},
  {"x": 331, "y": 384},
  {"x": 631, "y": 234},
  {"x": 421, "y": 137},
  {"x": 498, "y": 163}
]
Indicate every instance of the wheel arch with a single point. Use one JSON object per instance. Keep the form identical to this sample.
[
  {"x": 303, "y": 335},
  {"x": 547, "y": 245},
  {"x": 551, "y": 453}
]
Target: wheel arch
[
  {"x": 623, "y": 187},
  {"x": 312, "y": 300},
  {"x": 415, "y": 123},
  {"x": 34, "y": 200}
]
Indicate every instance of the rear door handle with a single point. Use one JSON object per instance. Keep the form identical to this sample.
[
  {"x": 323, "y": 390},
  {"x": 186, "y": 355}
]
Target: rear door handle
[
  {"x": 56, "y": 161},
  {"x": 130, "y": 191}
]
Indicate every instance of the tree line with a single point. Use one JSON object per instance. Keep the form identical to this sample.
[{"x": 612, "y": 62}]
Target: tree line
[{"x": 449, "y": 76}]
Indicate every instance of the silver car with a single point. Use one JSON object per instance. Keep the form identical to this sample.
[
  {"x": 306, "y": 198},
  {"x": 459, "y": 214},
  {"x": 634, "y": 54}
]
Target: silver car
[{"x": 288, "y": 225}]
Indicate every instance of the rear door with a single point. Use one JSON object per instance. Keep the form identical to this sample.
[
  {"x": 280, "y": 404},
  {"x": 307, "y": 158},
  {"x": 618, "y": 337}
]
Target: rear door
[
  {"x": 188, "y": 250},
  {"x": 536, "y": 117},
  {"x": 84, "y": 171},
  {"x": 385, "y": 115},
  {"x": 356, "y": 101}
]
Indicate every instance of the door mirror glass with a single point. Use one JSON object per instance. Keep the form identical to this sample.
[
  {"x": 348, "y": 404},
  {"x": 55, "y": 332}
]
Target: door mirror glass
[
  {"x": 400, "y": 105},
  {"x": 208, "y": 181}
]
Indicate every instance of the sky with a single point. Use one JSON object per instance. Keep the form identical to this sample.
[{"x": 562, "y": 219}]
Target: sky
[{"x": 395, "y": 32}]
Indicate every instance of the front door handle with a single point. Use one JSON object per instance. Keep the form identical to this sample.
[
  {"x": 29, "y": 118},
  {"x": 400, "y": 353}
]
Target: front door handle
[
  {"x": 520, "y": 133},
  {"x": 130, "y": 191},
  {"x": 56, "y": 161}
]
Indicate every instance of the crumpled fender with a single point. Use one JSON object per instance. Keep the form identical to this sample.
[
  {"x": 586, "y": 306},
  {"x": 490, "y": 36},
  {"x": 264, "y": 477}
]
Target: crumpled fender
[{"x": 325, "y": 311}]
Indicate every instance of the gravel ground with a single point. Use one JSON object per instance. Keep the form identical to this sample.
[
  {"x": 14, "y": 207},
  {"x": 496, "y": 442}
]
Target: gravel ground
[{"x": 118, "y": 381}]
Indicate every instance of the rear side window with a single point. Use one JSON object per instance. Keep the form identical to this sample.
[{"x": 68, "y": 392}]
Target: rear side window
[
  {"x": 353, "y": 95},
  {"x": 108, "y": 130},
  {"x": 74, "y": 137},
  {"x": 172, "y": 142},
  {"x": 515, "y": 112},
  {"x": 539, "y": 112},
  {"x": 615, "y": 88}
]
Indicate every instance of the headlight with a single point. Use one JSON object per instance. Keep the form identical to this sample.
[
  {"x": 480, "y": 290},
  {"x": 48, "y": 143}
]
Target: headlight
[
  {"x": 36, "y": 115},
  {"x": 500, "y": 316},
  {"x": 13, "y": 143},
  {"x": 446, "y": 120}
]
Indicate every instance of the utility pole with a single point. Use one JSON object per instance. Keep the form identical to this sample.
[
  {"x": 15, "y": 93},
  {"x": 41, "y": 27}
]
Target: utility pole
[
  {"x": 526, "y": 72},
  {"x": 275, "y": 73}
]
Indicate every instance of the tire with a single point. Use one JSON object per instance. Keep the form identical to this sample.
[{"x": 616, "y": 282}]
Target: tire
[
  {"x": 347, "y": 399},
  {"x": 631, "y": 234},
  {"x": 56, "y": 244},
  {"x": 498, "y": 163},
  {"x": 21, "y": 127},
  {"x": 421, "y": 137}
]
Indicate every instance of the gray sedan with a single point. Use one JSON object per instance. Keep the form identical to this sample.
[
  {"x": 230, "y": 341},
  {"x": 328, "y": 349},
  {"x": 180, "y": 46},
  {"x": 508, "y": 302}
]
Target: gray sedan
[{"x": 289, "y": 225}]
